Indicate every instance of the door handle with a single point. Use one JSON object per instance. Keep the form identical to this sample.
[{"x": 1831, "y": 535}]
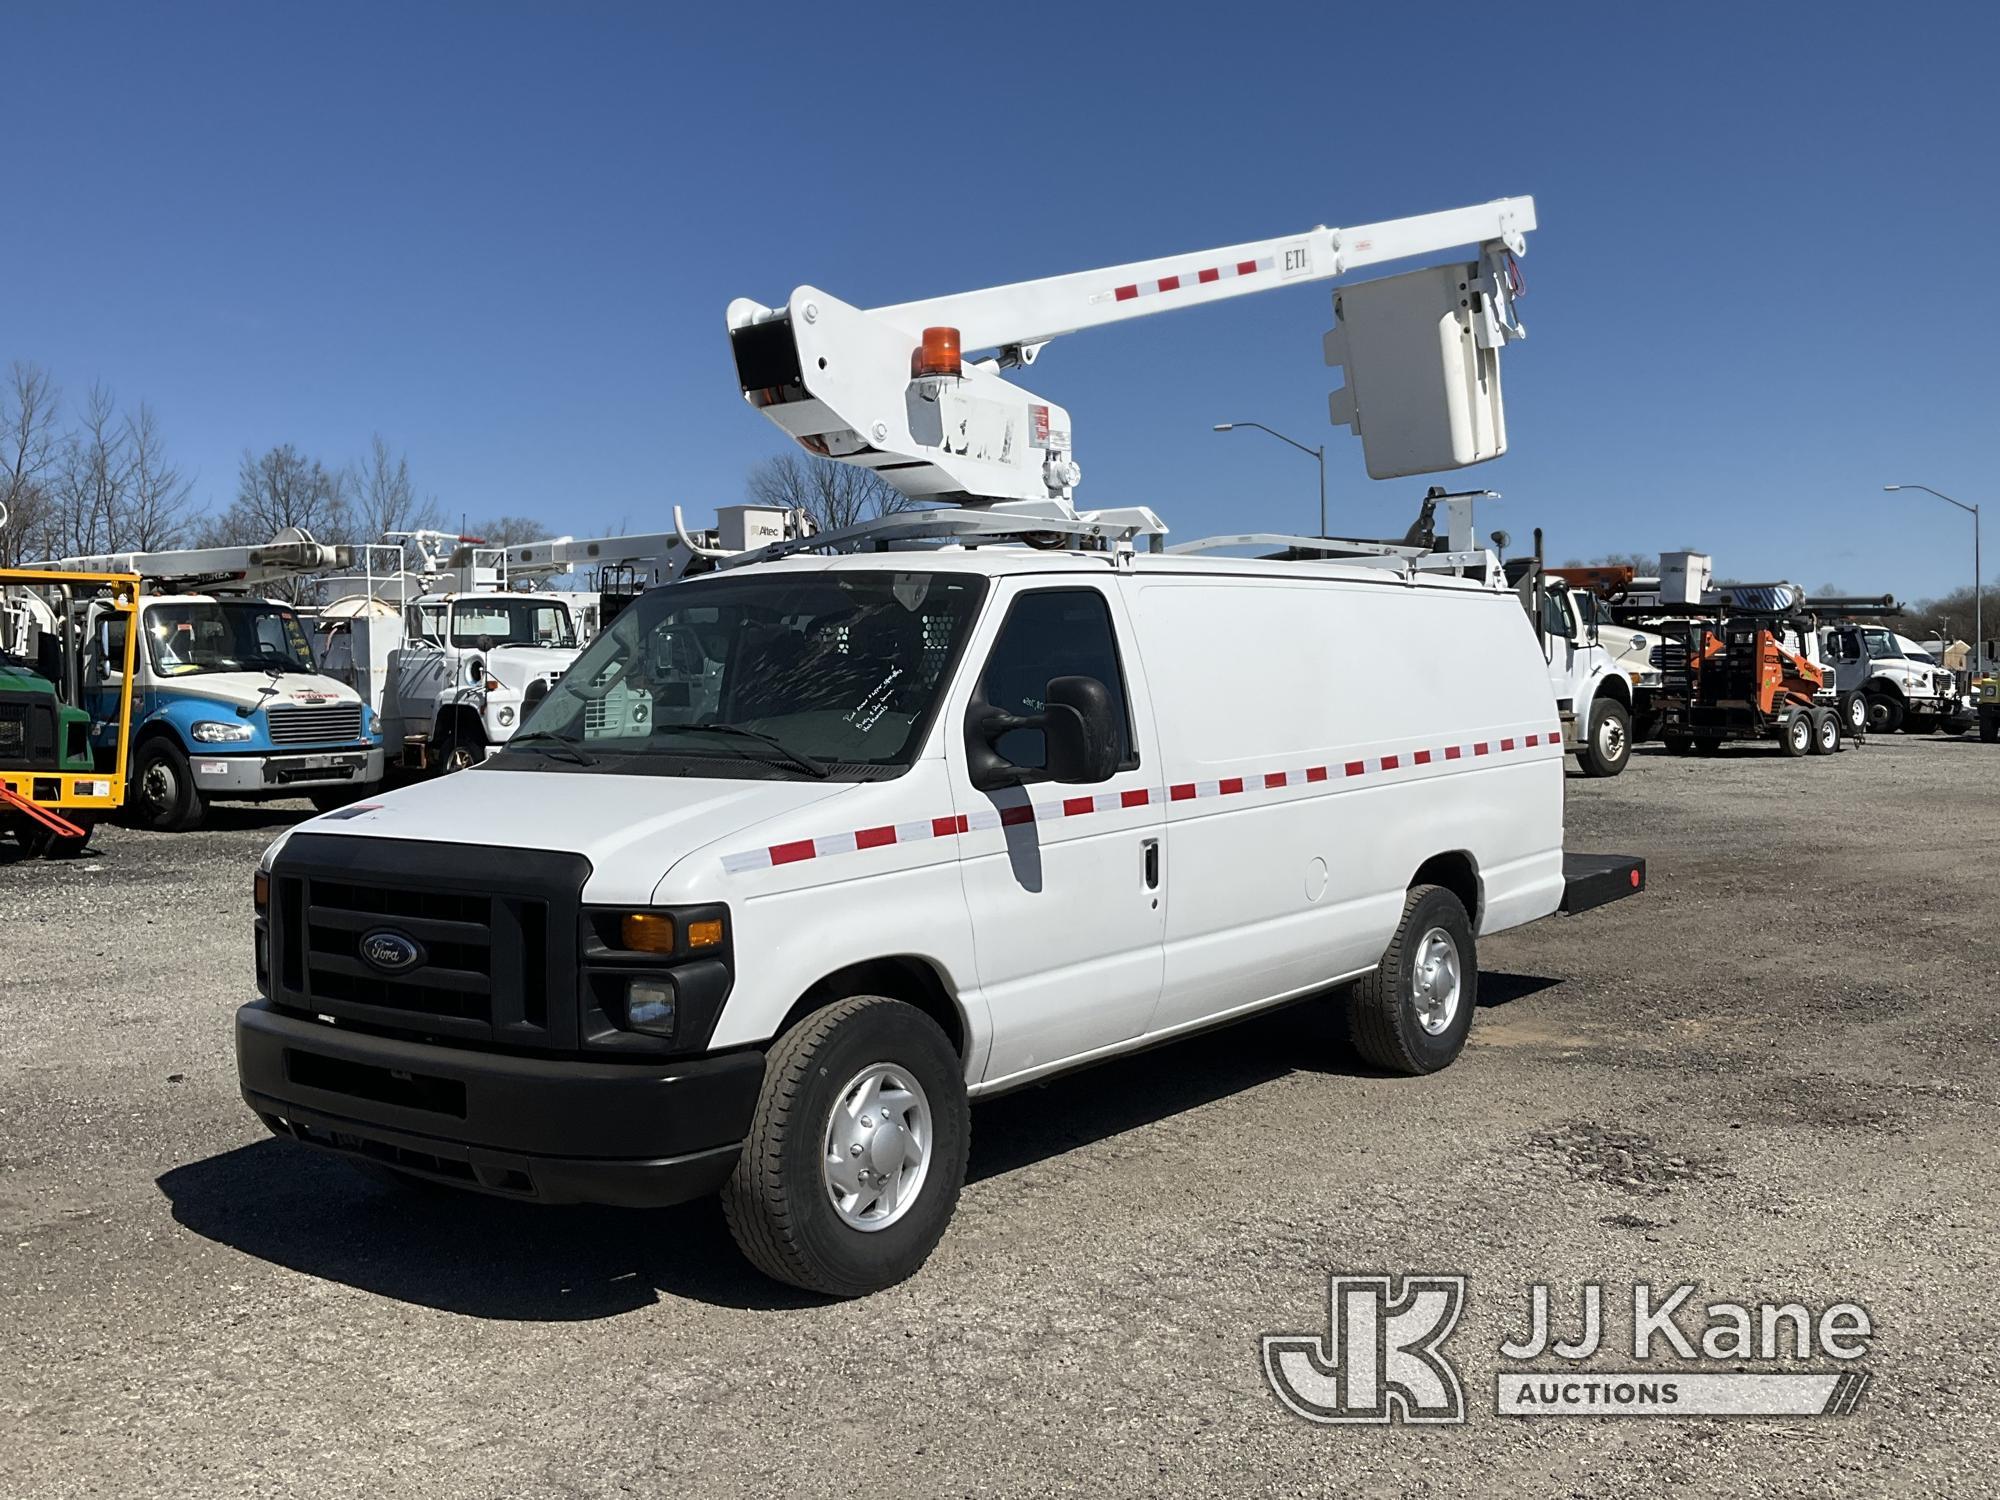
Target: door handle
[{"x": 1149, "y": 863}]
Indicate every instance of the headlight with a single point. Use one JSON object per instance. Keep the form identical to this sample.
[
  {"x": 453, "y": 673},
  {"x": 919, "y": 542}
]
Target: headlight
[
  {"x": 211, "y": 733},
  {"x": 506, "y": 716},
  {"x": 649, "y": 1005}
]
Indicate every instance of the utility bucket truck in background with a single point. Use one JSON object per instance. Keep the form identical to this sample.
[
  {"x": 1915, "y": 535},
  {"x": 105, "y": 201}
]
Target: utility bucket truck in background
[
  {"x": 52, "y": 789},
  {"x": 935, "y": 806},
  {"x": 228, "y": 701},
  {"x": 452, "y": 654}
]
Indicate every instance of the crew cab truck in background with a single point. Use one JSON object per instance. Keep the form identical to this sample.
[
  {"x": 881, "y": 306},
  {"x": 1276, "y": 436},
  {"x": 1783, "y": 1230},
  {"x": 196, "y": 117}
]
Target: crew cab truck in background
[{"x": 899, "y": 831}]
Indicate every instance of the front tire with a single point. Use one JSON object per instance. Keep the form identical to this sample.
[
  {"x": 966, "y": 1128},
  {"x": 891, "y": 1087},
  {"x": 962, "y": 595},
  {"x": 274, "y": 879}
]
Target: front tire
[
  {"x": 1885, "y": 713},
  {"x": 1413, "y": 1013},
  {"x": 1854, "y": 714},
  {"x": 1610, "y": 742},
  {"x": 464, "y": 747},
  {"x": 162, "y": 795},
  {"x": 856, "y": 1152}
]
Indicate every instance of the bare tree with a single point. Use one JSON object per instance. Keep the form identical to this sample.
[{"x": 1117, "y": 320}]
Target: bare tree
[
  {"x": 154, "y": 513},
  {"x": 508, "y": 531},
  {"x": 278, "y": 488},
  {"x": 90, "y": 487},
  {"x": 29, "y": 447},
  {"x": 384, "y": 500},
  {"x": 833, "y": 494}
]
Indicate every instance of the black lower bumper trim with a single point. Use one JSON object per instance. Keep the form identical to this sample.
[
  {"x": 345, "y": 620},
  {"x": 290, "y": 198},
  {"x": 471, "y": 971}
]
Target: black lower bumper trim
[
  {"x": 1593, "y": 880},
  {"x": 558, "y": 1129},
  {"x": 656, "y": 1182}
]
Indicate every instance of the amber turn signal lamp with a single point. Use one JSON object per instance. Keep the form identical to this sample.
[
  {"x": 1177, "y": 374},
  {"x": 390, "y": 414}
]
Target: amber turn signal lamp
[
  {"x": 644, "y": 932},
  {"x": 260, "y": 890},
  {"x": 705, "y": 934}
]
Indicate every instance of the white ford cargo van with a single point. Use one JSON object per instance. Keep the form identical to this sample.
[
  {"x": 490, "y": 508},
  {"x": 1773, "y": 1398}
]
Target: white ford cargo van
[{"x": 897, "y": 830}]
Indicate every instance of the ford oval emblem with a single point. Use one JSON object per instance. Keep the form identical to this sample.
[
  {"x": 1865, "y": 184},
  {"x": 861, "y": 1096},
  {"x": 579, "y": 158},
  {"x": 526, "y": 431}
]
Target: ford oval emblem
[{"x": 390, "y": 951}]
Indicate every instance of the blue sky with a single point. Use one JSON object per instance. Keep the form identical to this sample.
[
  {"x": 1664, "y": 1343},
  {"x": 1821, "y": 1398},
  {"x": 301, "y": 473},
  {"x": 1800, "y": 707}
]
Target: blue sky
[{"x": 503, "y": 236}]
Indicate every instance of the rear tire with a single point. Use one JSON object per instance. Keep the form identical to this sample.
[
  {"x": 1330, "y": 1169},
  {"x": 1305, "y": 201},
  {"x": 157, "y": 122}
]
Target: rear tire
[
  {"x": 1826, "y": 731},
  {"x": 162, "y": 794},
  {"x": 1413, "y": 1013},
  {"x": 1610, "y": 742},
  {"x": 799, "y": 1202},
  {"x": 1797, "y": 735}
]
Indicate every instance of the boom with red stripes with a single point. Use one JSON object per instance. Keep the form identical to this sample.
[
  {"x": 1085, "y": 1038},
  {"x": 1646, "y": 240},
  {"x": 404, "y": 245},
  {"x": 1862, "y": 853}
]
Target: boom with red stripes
[{"x": 886, "y": 388}]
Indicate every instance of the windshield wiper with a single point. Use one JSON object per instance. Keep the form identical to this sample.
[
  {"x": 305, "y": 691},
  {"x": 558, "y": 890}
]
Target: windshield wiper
[
  {"x": 555, "y": 746},
  {"x": 799, "y": 758}
]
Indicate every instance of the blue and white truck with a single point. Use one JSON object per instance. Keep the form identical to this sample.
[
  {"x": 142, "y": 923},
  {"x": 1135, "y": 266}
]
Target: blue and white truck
[{"x": 230, "y": 703}]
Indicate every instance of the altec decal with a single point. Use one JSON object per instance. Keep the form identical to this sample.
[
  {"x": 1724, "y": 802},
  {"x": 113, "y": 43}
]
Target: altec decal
[{"x": 952, "y": 825}]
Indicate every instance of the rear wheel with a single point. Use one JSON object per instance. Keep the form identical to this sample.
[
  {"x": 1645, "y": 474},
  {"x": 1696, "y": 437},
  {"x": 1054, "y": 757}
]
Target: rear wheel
[
  {"x": 857, "y": 1150},
  {"x": 1610, "y": 742},
  {"x": 1797, "y": 735},
  {"x": 1413, "y": 1013},
  {"x": 1885, "y": 713},
  {"x": 163, "y": 795},
  {"x": 1825, "y": 731}
]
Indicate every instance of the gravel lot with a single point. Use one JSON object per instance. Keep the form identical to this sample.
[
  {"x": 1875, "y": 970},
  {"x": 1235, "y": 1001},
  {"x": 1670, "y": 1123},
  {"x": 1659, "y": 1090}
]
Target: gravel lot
[{"x": 1773, "y": 1075}]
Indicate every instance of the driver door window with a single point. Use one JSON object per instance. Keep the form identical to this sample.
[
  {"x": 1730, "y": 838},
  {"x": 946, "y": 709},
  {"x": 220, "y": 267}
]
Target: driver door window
[{"x": 1053, "y": 633}]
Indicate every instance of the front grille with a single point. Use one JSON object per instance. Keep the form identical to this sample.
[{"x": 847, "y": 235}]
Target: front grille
[
  {"x": 315, "y": 726},
  {"x": 481, "y": 919}
]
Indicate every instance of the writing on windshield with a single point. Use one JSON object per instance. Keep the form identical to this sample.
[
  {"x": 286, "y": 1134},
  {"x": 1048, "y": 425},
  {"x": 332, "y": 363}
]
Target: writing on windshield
[{"x": 790, "y": 670}]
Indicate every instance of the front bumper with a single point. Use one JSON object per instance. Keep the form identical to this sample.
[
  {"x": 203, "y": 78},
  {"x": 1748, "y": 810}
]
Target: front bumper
[
  {"x": 550, "y": 1129},
  {"x": 277, "y": 773}
]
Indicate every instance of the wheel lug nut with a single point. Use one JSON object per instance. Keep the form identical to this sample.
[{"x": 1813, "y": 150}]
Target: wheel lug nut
[
  {"x": 867, "y": 1119},
  {"x": 853, "y": 1150}
]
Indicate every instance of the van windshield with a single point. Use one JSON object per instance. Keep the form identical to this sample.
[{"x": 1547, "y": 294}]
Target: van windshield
[{"x": 789, "y": 674}]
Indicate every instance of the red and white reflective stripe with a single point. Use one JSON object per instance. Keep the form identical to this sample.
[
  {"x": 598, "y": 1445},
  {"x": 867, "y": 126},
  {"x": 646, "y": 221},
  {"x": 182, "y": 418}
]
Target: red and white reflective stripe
[
  {"x": 1186, "y": 279},
  {"x": 988, "y": 818}
]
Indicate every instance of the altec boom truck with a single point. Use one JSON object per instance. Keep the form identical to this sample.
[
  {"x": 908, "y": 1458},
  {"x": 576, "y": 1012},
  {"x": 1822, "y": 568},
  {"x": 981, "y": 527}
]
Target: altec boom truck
[
  {"x": 227, "y": 700},
  {"x": 941, "y": 804}
]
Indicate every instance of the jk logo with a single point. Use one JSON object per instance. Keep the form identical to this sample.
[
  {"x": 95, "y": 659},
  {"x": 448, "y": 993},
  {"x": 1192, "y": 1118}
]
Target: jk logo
[{"x": 1380, "y": 1360}]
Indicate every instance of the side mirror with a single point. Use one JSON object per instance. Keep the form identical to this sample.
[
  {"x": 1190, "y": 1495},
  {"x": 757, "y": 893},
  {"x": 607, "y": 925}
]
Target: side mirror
[{"x": 1079, "y": 727}]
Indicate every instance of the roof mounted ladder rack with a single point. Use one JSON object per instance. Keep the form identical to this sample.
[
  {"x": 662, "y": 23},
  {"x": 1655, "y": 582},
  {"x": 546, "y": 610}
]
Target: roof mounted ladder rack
[{"x": 1039, "y": 523}]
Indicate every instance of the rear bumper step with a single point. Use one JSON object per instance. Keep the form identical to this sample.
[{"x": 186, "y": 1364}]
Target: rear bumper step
[{"x": 1593, "y": 880}]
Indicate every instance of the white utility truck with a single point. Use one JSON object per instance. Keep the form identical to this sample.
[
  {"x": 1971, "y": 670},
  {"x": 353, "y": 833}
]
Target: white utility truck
[
  {"x": 945, "y": 803},
  {"x": 453, "y": 653},
  {"x": 229, "y": 702},
  {"x": 1902, "y": 687}
]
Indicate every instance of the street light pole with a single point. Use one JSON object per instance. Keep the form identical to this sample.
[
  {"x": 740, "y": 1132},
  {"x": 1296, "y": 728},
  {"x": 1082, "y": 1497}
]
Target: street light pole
[
  {"x": 1318, "y": 453},
  {"x": 1978, "y": 576}
]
